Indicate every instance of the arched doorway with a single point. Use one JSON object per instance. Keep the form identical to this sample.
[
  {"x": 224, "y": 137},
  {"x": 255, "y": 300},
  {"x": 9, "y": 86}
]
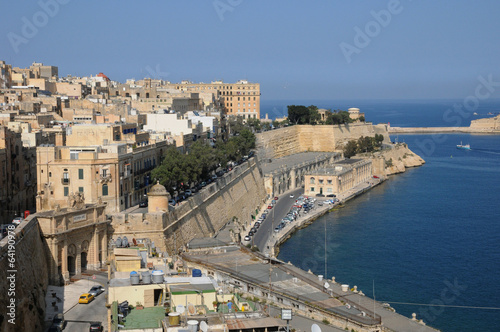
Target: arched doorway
[
  {"x": 84, "y": 261},
  {"x": 71, "y": 259},
  {"x": 83, "y": 255}
]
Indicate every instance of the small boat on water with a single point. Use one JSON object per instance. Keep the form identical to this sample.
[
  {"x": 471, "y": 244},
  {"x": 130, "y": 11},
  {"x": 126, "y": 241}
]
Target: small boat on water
[{"x": 463, "y": 146}]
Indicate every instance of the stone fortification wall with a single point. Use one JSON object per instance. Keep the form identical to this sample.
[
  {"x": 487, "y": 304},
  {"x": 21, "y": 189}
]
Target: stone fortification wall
[
  {"x": 29, "y": 285},
  {"x": 486, "y": 125},
  {"x": 308, "y": 138},
  {"x": 236, "y": 194}
]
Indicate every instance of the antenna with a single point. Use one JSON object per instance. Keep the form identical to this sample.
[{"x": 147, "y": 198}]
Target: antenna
[{"x": 315, "y": 328}]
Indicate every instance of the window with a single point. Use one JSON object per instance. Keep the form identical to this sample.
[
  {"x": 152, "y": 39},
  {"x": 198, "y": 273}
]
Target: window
[
  {"x": 80, "y": 173},
  {"x": 312, "y": 181},
  {"x": 320, "y": 181},
  {"x": 105, "y": 190},
  {"x": 73, "y": 154},
  {"x": 80, "y": 190},
  {"x": 66, "y": 191},
  {"x": 65, "y": 178},
  {"x": 329, "y": 190},
  {"x": 312, "y": 188},
  {"x": 329, "y": 181}
]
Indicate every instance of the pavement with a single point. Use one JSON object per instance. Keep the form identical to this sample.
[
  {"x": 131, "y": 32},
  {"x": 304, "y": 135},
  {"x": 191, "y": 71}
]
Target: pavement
[{"x": 64, "y": 299}]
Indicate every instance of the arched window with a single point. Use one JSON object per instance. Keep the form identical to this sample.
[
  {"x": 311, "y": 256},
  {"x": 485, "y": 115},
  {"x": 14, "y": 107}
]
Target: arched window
[{"x": 313, "y": 181}]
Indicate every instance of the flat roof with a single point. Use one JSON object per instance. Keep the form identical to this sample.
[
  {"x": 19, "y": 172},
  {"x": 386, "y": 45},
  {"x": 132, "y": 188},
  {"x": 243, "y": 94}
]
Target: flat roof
[
  {"x": 293, "y": 160},
  {"x": 191, "y": 288}
]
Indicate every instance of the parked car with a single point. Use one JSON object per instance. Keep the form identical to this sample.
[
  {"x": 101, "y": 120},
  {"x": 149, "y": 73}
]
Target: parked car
[
  {"x": 17, "y": 220},
  {"x": 171, "y": 202},
  {"x": 96, "y": 327},
  {"x": 54, "y": 328},
  {"x": 250, "y": 233},
  {"x": 143, "y": 203},
  {"x": 276, "y": 198},
  {"x": 188, "y": 193},
  {"x": 247, "y": 238},
  {"x": 270, "y": 207},
  {"x": 86, "y": 298},
  {"x": 96, "y": 290},
  {"x": 292, "y": 196},
  {"x": 59, "y": 321}
]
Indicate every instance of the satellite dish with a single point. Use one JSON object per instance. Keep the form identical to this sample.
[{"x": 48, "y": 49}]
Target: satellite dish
[
  {"x": 203, "y": 326},
  {"x": 180, "y": 309},
  {"x": 315, "y": 328},
  {"x": 191, "y": 309},
  {"x": 327, "y": 285}
]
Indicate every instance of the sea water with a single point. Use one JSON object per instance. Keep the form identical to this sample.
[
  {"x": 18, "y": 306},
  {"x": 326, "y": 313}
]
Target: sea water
[{"x": 426, "y": 238}]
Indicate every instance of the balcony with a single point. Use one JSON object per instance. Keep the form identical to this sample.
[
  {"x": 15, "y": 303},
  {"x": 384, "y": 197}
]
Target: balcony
[
  {"x": 105, "y": 178},
  {"x": 65, "y": 181}
]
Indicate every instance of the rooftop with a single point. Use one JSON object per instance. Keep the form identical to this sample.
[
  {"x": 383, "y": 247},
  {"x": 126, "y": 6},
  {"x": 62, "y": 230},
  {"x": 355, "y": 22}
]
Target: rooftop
[{"x": 293, "y": 160}]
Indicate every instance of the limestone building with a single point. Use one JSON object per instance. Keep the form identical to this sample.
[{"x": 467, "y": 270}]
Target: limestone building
[
  {"x": 76, "y": 238},
  {"x": 339, "y": 178},
  {"x": 112, "y": 163}
]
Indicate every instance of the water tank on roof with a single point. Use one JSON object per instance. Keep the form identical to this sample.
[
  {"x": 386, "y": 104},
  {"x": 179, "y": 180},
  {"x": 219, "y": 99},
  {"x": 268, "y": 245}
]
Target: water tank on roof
[
  {"x": 146, "y": 277},
  {"x": 125, "y": 242},
  {"x": 196, "y": 273},
  {"x": 134, "y": 278},
  {"x": 157, "y": 276},
  {"x": 118, "y": 242}
]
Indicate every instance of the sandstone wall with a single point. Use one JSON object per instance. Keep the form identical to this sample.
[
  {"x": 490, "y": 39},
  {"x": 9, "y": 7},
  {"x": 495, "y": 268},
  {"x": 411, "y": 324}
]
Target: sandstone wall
[
  {"x": 31, "y": 279},
  {"x": 237, "y": 194},
  {"x": 486, "y": 125},
  {"x": 308, "y": 138}
]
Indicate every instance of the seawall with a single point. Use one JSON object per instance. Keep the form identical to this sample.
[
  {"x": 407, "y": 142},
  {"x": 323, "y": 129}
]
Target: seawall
[{"x": 28, "y": 278}]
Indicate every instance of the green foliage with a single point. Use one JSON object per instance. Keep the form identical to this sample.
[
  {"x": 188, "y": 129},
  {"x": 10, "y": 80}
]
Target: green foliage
[
  {"x": 388, "y": 163},
  {"x": 338, "y": 117},
  {"x": 350, "y": 149},
  {"x": 181, "y": 170},
  {"x": 362, "y": 118},
  {"x": 325, "y": 321},
  {"x": 363, "y": 144}
]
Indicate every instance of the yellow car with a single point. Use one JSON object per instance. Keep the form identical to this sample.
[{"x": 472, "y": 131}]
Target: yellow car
[{"x": 86, "y": 298}]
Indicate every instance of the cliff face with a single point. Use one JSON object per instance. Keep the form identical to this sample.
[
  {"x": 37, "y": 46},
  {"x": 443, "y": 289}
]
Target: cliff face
[{"x": 395, "y": 160}]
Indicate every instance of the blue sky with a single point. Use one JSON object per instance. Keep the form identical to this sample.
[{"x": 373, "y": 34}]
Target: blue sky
[{"x": 425, "y": 49}]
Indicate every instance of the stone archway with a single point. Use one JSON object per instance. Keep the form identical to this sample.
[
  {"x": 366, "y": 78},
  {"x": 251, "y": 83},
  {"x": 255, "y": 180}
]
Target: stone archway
[
  {"x": 72, "y": 259},
  {"x": 83, "y": 255}
]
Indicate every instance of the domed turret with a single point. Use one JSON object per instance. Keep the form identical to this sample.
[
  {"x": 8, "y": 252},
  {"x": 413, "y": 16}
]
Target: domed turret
[{"x": 158, "y": 198}]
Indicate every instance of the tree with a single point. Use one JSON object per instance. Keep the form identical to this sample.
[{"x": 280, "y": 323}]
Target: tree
[
  {"x": 314, "y": 116},
  {"x": 350, "y": 149},
  {"x": 298, "y": 114}
]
